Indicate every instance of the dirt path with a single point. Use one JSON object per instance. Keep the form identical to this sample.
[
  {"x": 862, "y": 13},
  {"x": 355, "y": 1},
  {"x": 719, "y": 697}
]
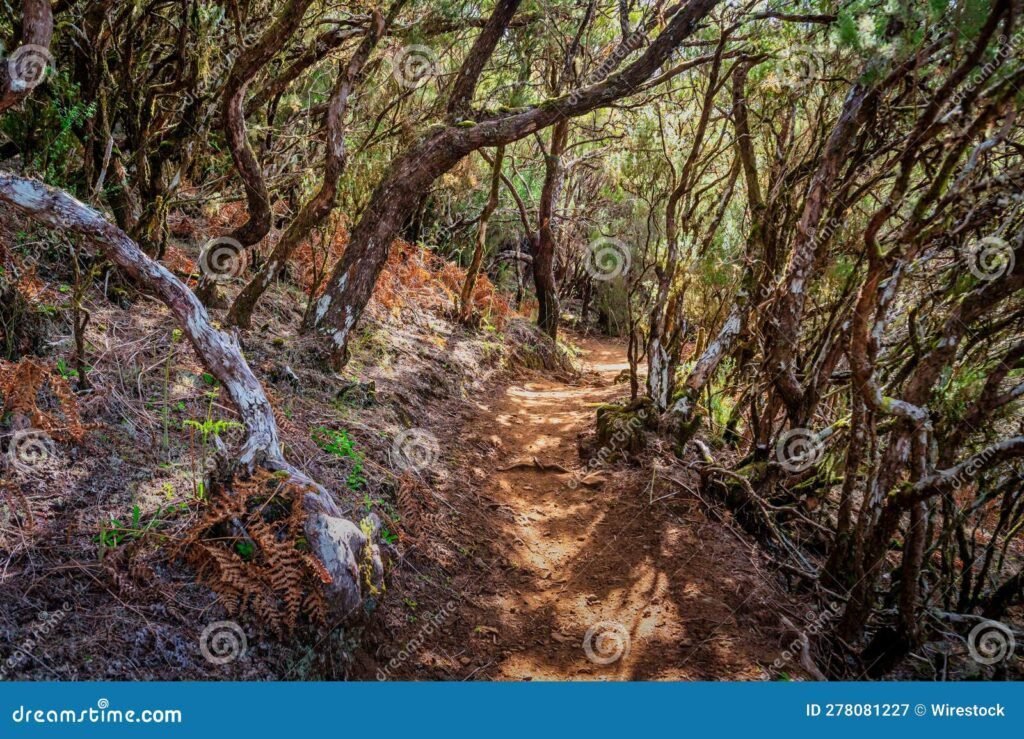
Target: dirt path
[{"x": 628, "y": 580}]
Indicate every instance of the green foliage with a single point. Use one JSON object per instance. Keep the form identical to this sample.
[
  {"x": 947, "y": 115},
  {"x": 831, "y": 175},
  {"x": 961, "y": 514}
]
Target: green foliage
[
  {"x": 115, "y": 532},
  {"x": 210, "y": 426},
  {"x": 338, "y": 443},
  {"x": 46, "y": 130},
  {"x": 957, "y": 388},
  {"x": 65, "y": 370}
]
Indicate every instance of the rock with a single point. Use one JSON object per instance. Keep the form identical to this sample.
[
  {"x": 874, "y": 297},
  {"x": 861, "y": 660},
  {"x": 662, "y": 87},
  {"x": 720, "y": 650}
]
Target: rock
[{"x": 622, "y": 429}]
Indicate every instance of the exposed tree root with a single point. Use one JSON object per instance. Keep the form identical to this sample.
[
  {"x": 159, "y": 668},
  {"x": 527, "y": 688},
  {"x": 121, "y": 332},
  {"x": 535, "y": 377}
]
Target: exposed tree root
[{"x": 534, "y": 464}]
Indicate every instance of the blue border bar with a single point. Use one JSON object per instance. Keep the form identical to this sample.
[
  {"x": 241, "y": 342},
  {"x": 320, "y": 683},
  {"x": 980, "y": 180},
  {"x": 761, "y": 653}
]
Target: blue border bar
[{"x": 521, "y": 710}]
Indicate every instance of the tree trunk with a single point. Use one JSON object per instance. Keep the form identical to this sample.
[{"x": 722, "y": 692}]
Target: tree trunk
[
  {"x": 351, "y": 284},
  {"x": 25, "y": 67},
  {"x": 466, "y": 299},
  {"x": 316, "y": 210},
  {"x": 544, "y": 255},
  {"x": 339, "y": 543},
  {"x": 659, "y": 357},
  {"x": 782, "y": 328},
  {"x": 352, "y": 280},
  {"x": 736, "y": 322},
  {"x": 245, "y": 68}
]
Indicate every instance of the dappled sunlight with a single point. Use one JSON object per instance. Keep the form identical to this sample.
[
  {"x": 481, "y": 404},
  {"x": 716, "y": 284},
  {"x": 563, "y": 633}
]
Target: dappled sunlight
[{"x": 578, "y": 557}]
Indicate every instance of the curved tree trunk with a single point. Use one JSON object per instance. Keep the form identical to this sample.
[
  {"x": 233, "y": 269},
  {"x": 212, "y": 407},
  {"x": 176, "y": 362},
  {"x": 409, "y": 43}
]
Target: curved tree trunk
[
  {"x": 736, "y": 322},
  {"x": 351, "y": 284},
  {"x": 659, "y": 357},
  {"x": 339, "y": 543},
  {"x": 316, "y": 209},
  {"x": 245, "y": 68}
]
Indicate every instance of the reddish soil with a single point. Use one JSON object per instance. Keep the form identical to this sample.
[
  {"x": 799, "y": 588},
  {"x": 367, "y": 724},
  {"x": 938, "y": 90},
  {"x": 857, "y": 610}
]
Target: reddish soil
[{"x": 665, "y": 591}]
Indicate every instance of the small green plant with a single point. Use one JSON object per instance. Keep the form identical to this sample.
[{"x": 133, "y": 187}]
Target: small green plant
[
  {"x": 339, "y": 444},
  {"x": 246, "y": 550},
  {"x": 114, "y": 533},
  {"x": 65, "y": 371},
  {"x": 207, "y": 429}
]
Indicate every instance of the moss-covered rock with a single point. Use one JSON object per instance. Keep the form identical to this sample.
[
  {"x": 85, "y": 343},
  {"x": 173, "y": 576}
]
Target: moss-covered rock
[{"x": 622, "y": 429}]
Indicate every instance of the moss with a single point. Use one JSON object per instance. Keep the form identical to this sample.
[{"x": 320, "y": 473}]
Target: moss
[
  {"x": 621, "y": 429},
  {"x": 754, "y": 470},
  {"x": 686, "y": 430},
  {"x": 366, "y": 567}
]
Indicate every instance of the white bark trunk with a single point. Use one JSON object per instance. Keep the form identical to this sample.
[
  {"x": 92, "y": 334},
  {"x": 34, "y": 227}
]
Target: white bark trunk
[
  {"x": 341, "y": 545},
  {"x": 707, "y": 364}
]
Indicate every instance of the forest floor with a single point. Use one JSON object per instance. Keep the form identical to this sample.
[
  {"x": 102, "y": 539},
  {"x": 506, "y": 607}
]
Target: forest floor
[
  {"x": 501, "y": 568},
  {"x": 625, "y": 578}
]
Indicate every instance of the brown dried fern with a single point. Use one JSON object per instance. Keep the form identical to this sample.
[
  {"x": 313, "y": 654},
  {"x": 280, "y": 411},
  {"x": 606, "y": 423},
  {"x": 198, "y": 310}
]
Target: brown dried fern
[
  {"x": 249, "y": 546},
  {"x": 20, "y": 386}
]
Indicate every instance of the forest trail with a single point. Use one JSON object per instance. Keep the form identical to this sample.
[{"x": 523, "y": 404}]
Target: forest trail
[{"x": 625, "y": 579}]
